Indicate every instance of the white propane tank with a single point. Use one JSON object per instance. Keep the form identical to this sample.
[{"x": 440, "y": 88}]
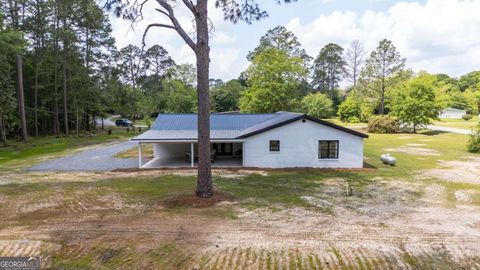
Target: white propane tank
[{"x": 387, "y": 159}]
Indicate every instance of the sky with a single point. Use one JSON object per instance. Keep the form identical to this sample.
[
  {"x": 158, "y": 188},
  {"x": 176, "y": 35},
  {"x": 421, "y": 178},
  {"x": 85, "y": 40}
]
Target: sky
[{"x": 439, "y": 36}]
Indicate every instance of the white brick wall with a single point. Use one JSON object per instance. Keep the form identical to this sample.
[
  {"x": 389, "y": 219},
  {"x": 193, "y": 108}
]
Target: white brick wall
[{"x": 299, "y": 147}]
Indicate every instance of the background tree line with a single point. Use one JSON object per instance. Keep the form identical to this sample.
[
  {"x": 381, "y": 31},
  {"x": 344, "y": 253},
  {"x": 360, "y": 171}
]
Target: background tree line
[
  {"x": 72, "y": 73},
  {"x": 60, "y": 71}
]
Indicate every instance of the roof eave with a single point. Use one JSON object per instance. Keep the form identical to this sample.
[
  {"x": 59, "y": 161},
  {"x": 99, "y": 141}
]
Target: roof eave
[{"x": 308, "y": 117}]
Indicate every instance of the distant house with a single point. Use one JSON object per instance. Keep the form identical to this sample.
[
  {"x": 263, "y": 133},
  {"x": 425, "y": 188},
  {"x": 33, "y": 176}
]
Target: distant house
[
  {"x": 277, "y": 140},
  {"x": 451, "y": 113}
]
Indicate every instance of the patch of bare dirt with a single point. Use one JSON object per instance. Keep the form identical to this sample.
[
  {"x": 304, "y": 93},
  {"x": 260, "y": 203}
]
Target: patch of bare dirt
[
  {"x": 56, "y": 177},
  {"x": 466, "y": 195},
  {"x": 435, "y": 193},
  {"x": 191, "y": 200},
  {"x": 374, "y": 229},
  {"x": 411, "y": 150},
  {"x": 459, "y": 171},
  {"x": 415, "y": 144}
]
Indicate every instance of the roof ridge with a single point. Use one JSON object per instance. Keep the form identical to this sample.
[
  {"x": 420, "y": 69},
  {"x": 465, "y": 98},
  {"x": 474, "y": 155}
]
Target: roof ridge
[{"x": 277, "y": 114}]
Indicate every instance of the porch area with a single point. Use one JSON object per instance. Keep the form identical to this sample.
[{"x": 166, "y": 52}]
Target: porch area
[
  {"x": 182, "y": 163},
  {"x": 224, "y": 154}
]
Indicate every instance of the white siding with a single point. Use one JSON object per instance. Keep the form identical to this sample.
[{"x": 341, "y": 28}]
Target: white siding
[
  {"x": 299, "y": 147},
  {"x": 452, "y": 113}
]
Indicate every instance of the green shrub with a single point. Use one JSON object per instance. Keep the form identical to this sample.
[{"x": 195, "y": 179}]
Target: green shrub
[
  {"x": 354, "y": 119},
  {"x": 317, "y": 105},
  {"x": 467, "y": 117},
  {"x": 148, "y": 122},
  {"x": 473, "y": 143},
  {"x": 354, "y": 109},
  {"x": 383, "y": 124}
]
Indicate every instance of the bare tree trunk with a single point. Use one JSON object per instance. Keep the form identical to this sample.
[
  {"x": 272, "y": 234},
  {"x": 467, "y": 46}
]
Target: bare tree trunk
[
  {"x": 56, "y": 120},
  {"x": 3, "y": 132},
  {"x": 77, "y": 121},
  {"x": 382, "y": 99},
  {"x": 65, "y": 47},
  {"x": 204, "y": 180},
  {"x": 21, "y": 100},
  {"x": 355, "y": 76},
  {"x": 36, "y": 97}
]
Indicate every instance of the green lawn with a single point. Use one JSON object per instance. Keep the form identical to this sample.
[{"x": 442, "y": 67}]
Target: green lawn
[
  {"x": 458, "y": 123},
  {"x": 345, "y": 124},
  {"x": 124, "y": 221},
  {"x": 142, "y": 122},
  {"x": 288, "y": 188}
]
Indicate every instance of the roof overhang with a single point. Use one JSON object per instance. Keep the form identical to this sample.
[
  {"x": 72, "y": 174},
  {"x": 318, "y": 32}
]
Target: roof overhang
[
  {"x": 313, "y": 119},
  {"x": 186, "y": 140}
]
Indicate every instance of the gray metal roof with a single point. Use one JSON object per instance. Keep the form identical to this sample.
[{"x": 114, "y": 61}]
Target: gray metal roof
[
  {"x": 222, "y": 126},
  {"x": 217, "y": 121}
]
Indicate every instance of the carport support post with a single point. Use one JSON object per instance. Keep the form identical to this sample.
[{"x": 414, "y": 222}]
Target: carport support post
[
  {"x": 243, "y": 154},
  {"x": 192, "y": 155},
  {"x": 139, "y": 155}
]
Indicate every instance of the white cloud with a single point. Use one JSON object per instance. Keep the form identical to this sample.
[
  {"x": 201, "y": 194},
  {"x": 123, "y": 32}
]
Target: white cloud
[
  {"x": 227, "y": 63},
  {"x": 222, "y": 38},
  {"x": 438, "y": 36}
]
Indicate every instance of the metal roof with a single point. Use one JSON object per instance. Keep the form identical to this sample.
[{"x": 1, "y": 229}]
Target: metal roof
[
  {"x": 229, "y": 126},
  {"x": 217, "y": 121}
]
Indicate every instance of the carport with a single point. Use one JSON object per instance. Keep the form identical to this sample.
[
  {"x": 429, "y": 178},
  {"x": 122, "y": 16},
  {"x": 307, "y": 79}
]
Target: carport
[{"x": 183, "y": 153}]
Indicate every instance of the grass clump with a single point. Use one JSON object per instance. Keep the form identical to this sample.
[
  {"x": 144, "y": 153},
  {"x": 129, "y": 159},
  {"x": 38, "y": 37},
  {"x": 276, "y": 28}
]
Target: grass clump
[{"x": 473, "y": 144}]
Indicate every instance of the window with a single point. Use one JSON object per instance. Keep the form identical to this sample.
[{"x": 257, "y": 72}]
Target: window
[
  {"x": 274, "y": 146},
  {"x": 327, "y": 149}
]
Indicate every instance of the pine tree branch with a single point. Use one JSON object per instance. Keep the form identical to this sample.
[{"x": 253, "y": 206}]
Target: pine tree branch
[{"x": 177, "y": 26}]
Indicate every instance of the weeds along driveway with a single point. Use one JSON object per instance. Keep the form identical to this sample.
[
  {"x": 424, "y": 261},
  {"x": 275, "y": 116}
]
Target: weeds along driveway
[{"x": 95, "y": 159}]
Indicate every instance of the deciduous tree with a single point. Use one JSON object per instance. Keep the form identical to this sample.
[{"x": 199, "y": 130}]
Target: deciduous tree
[
  {"x": 415, "y": 103},
  {"x": 317, "y": 105},
  {"x": 273, "y": 80},
  {"x": 225, "y": 97},
  {"x": 354, "y": 59}
]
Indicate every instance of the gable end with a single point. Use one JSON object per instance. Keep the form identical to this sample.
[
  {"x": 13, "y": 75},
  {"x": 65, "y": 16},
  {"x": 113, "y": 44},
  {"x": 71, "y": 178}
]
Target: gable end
[{"x": 313, "y": 119}]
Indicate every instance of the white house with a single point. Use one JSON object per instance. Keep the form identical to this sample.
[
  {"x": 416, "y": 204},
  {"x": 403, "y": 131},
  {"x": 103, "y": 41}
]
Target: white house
[
  {"x": 452, "y": 113},
  {"x": 278, "y": 140}
]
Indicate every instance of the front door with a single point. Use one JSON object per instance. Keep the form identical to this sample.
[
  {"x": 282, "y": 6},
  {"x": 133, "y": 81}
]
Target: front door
[{"x": 223, "y": 149}]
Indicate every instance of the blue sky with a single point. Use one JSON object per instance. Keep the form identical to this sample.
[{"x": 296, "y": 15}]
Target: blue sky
[{"x": 440, "y": 36}]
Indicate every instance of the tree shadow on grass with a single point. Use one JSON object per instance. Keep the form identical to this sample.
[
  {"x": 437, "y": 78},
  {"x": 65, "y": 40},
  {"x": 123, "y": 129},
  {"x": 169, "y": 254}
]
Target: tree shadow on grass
[{"x": 433, "y": 132}]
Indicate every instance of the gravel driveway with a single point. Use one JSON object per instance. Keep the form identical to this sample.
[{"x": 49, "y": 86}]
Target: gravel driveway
[
  {"x": 107, "y": 122},
  {"x": 449, "y": 129},
  {"x": 95, "y": 159}
]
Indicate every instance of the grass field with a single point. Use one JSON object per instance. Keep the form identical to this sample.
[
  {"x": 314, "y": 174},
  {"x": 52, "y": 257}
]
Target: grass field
[
  {"x": 346, "y": 124},
  {"x": 421, "y": 214}
]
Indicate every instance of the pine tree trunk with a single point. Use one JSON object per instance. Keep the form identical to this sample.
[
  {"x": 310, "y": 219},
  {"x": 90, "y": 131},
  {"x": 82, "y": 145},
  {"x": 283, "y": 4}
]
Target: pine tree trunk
[
  {"x": 65, "y": 48},
  {"x": 56, "y": 120},
  {"x": 204, "y": 180},
  {"x": 21, "y": 100},
  {"x": 3, "y": 132},
  {"x": 382, "y": 99},
  {"x": 77, "y": 129},
  {"x": 36, "y": 97}
]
